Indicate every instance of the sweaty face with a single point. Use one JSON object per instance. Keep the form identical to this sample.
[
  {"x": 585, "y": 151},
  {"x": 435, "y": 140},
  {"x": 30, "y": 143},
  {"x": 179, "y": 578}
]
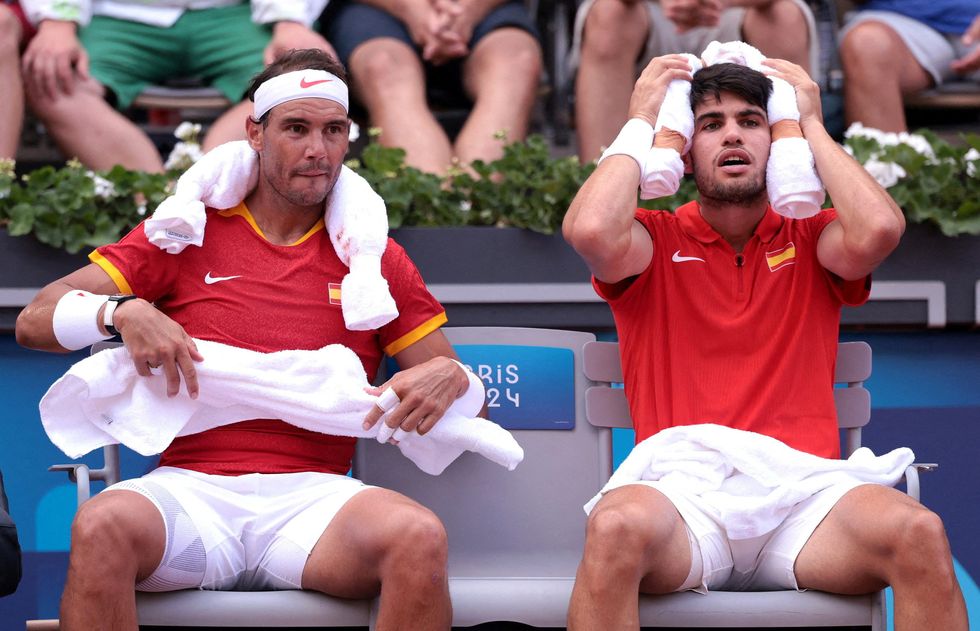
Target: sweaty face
[
  {"x": 730, "y": 149},
  {"x": 301, "y": 149}
]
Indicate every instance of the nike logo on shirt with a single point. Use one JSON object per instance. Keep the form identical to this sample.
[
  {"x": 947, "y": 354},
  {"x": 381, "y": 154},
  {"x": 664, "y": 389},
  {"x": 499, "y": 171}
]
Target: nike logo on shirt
[
  {"x": 303, "y": 83},
  {"x": 210, "y": 280},
  {"x": 677, "y": 258}
]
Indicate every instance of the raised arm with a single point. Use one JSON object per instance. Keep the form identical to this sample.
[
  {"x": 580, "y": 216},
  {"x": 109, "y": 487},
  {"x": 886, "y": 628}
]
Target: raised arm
[
  {"x": 153, "y": 339},
  {"x": 869, "y": 223},
  {"x": 600, "y": 223}
]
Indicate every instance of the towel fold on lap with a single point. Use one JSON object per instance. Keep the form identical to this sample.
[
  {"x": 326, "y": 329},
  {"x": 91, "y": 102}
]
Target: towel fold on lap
[
  {"x": 101, "y": 400},
  {"x": 750, "y": 481}
]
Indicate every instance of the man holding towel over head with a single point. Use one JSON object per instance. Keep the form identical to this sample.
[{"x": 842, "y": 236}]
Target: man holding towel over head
[
  {"x": 728, "y": 317},
  {"x": 259, "y": 504}
]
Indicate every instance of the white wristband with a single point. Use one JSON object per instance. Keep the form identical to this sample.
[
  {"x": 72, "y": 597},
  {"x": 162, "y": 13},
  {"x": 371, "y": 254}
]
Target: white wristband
[
  {"x": 634, "y": 140},
  {"x": 76, "y": 319},
  {"x": 475, "y": 395}
]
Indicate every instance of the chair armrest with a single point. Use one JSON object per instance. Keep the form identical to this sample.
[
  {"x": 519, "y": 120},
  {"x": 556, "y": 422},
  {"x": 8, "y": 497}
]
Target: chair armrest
[
  {"x": 79, "y": 474},
  {"x": 912, "y": 477}
]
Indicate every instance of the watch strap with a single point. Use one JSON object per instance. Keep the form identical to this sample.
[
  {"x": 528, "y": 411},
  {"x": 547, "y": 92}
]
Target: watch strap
[{"x": 110, "y": 309}]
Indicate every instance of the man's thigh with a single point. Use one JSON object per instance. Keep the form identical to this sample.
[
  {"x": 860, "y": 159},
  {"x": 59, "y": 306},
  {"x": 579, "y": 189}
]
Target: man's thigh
[
  {"x": 847, "y": 549},
  {"x": 930, "y": 49}
]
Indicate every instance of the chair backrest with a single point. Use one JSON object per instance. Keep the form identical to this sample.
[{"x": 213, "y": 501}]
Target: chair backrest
[
  {"x": 528, "y": 522},
  {"x": 606, "y": 405}
]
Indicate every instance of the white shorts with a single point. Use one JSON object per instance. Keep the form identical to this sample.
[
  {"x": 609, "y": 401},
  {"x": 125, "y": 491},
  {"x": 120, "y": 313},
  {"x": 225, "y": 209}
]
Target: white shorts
[
  {"x": 933, "y": 50},
  {"x": 664, "y": 39},
  {"x": 758, "y": 564},
  {"x": 249, "y": 532}
]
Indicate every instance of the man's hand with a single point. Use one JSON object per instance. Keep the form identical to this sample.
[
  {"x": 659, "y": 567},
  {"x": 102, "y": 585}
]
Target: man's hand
[
  {"x": 651, "y": 87},
  {"x": 54, "y": 59},
  {"x": 289, "y": 35},
  {"x": 154, "y": 340},
  {"x": 807, "y": 91},
  {"x": 689, "y": 14},
  {"x": 970, "y": 61},
  {"x": 450, "y": 27},
  {"x": 424, "y": 393}
]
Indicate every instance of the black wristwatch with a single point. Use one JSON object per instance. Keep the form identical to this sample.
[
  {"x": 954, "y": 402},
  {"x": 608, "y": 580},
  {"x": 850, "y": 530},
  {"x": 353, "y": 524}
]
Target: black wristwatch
[{"x": 110, "y": 308}]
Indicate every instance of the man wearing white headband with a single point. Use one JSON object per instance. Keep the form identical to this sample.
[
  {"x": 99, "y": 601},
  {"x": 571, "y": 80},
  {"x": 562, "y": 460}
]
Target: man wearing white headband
[
  {"x": 266, "y": 278},
  {"x": 728, "y": 316}
]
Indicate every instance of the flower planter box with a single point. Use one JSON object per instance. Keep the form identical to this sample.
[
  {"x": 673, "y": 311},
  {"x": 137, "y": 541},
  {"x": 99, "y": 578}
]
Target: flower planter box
[{"x": 515, "y": 277}]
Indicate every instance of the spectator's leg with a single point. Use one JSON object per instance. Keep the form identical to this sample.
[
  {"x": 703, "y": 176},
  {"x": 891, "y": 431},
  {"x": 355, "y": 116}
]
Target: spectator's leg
[
  {"x": 85, "y": 126},
  {"x": 878, "y": 70},
  {"x": 12, "y": 107},
  {"x": 383, "y": 541},
  {"x": 117, "y": 539},
  {"x": 779, "y": 29},
  {"x": 390, "y": 81},
  {"x": 615, "y": 33},
  {"x": 502, "y": 77},
  {"x": 635, "y": 540},
  {"x": 229, "y": 126},
  {"x": 877, "y": 536}
]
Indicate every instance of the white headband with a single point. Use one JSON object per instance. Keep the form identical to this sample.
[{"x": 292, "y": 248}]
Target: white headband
[{"x": 300, "y": 84}]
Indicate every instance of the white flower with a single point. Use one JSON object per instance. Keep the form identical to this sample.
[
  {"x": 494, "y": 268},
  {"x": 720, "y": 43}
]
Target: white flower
[
  {"x": 465, "y": 205},
  {"x": 886, "y": 173},
  {"x": 188, "y": 132},
  {"x": 919, "y": 143},
  {"x": 104, "y": 189},
  {"x": 971, "y": 157},
  {"x": 355, "y": 132},
  {"x": 183, "y": 155}
]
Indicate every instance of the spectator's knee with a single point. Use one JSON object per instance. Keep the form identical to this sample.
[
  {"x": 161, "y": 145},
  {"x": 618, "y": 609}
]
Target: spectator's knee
[
  {"x": 869, "y": 47},
  {"x": 787, "y": 17},
  {"x": 381, "y": 68},
  {"x": 610, "y": 30}
]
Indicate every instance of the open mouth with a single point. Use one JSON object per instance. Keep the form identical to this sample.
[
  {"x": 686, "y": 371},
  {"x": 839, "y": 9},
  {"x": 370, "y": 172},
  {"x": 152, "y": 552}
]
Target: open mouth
[{"x": 734, "y": 158}]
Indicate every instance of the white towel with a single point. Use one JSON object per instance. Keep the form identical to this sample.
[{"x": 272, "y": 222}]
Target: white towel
[
  {"x": 357, "y": 223},
  {"x": 749, "y": 481},
  {"x": 663, "y": 168},
  {"x": 101, "y": 400}
]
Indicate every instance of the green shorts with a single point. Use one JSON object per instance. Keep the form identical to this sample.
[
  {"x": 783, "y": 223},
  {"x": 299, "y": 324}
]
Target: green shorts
[{"x": 221, "y": 46}]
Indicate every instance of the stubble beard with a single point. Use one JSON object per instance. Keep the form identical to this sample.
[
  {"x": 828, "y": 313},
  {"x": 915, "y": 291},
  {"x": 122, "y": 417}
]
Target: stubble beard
[{"x": 740, "y": 191}]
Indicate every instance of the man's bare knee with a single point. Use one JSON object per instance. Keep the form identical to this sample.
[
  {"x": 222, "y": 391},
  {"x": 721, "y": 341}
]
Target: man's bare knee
[
  {"x": 870, "y": 47},
  {"x": 416, "y": 547},
  {"x": 922, "y": 548},
  {"x": 381, "y": 65},
  {"x": 614, "y": 29},
  {"x": 117, "y": 532},
  {"x": 625, "y": 536}
]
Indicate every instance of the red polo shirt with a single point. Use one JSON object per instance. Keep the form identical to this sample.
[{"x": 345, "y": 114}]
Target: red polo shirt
[{"x": 747, "y": 340}]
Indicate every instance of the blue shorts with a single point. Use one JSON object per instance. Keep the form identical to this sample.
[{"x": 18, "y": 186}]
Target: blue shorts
[{"x": 353, "y": 23}]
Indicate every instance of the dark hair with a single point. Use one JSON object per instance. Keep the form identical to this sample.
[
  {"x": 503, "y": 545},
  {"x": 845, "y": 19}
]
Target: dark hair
[
  {"x": 296, "y": 59},
  {"x": 751, "y": 85}
]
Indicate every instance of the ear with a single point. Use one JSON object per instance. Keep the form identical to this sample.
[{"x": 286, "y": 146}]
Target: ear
[
  {"x": 253, "y": 132},
  {"x": 688, "y": 165}
]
